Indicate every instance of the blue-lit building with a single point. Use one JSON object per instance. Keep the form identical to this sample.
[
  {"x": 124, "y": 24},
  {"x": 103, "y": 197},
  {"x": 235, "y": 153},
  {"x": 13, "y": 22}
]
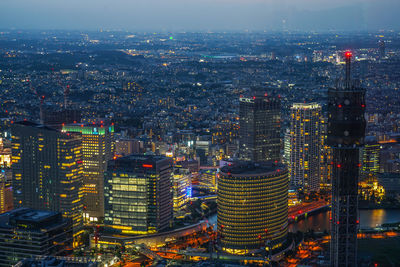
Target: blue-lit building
[
  {"x": 182, "y": 189},
  {"x": 27, "y": 233},
  {"x": 138, "y": 194}
]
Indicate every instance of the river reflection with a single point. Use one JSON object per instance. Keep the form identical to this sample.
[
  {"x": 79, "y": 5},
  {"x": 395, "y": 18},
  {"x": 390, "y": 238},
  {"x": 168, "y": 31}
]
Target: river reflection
[
  {"x": 320, "y": 222},
  {"x": 368, "y": 219}
]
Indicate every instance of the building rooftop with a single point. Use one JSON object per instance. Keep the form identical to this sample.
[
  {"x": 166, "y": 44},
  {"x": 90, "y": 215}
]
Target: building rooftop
[
  {"x": 35, "y": 125},
  {"x": 142, "y": 157},
  {"x": 27, "y": 216},
  {"x": 306, "y": 105},
  {"x": 251, "y": 168}
]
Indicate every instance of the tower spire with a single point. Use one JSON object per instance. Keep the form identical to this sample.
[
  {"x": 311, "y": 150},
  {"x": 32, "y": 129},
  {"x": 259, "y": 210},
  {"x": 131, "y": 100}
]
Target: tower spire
[{"x": 348, "y": 55}]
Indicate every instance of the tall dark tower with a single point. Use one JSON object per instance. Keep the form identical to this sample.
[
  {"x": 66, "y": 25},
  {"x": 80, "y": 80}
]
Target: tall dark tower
[
  {"x": 346, "y": 131},
  {"x": 260, "y": 128}
]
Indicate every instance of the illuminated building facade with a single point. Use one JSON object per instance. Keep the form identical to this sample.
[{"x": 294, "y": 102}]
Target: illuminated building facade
[
  {"x": 252, "y": 206},
  {"x": 134, "y": 89},
  {"x": 125, "y": 147},
  {"x": 97, "y": 148},
  {"x": 6, "y": 194},
  {"x": 138, "y": 196},
  {"x": 325, "y": 157},
  {"x": 370, "y": 155},
  {"x": 259, "y": 120},
  {"x": 26, "y": 233},
  {"x": 182, "y": 188},
  {"x": 208, "y": 178},
  {"x": 346, "y": 131},
  {"x": 305, "y": 138},
  {"x": 286, "y": 149},
  {"x": 47, "y": 170},
  {"x": 5, "y": 154}
]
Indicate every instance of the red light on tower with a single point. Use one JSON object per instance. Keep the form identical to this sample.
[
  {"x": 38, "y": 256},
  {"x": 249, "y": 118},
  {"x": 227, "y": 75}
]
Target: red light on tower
[
  {"x": 348, "y": 54},
  {"x": 147, "y": 166}
]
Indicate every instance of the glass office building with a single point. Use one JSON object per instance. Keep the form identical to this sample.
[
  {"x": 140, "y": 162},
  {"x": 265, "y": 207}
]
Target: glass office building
[{"x": 138, "y": 194}]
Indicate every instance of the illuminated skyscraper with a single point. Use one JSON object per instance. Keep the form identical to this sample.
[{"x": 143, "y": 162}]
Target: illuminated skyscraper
[
  {"x": 47, "y": 170},
  {"x": 260, "y": 128},
  {"x": 346, "y": 130},
  {"x": 370, "y": 155},
  {"x": 138, "y": 196},
  {"x": 252, "y": 206},
  {"x": 305, "y": 138},
  {"x": 182, "y": 188},
  {"x": 97, "y": 148}
]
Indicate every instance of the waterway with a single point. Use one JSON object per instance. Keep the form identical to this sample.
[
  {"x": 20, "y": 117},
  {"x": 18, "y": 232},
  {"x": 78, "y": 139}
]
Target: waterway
[{"x": 320, "y": 222}]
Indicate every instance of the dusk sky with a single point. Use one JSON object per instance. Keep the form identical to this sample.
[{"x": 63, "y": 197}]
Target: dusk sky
[{"x": 200, "y": 15}]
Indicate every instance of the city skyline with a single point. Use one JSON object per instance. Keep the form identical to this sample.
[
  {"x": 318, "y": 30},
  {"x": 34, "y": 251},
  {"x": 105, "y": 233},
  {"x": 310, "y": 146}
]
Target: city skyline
[{"x": 199, "y": 148}]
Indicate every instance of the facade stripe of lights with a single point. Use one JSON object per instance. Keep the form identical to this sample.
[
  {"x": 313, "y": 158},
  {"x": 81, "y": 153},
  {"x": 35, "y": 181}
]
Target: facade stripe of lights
[{"x": 252, "y": 206}]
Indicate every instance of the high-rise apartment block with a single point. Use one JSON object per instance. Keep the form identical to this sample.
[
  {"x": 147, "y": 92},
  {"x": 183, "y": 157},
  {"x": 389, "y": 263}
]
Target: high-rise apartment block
[{"x": 305, "y": 139}]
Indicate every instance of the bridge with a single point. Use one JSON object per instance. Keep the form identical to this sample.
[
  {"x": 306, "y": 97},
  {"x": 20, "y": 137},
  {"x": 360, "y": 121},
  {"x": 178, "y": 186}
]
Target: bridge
[{"x": 306, "y": 208}]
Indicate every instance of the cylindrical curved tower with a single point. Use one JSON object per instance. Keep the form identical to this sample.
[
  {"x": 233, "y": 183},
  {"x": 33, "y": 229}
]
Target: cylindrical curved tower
[{"x": 252, "y": 206}]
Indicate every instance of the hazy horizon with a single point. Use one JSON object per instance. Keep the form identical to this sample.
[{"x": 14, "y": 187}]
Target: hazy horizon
[{"x": 203, "y": 15}]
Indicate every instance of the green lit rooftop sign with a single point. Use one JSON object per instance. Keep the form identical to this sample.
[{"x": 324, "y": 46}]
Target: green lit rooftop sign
[{"x": 87, "y": 129}]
